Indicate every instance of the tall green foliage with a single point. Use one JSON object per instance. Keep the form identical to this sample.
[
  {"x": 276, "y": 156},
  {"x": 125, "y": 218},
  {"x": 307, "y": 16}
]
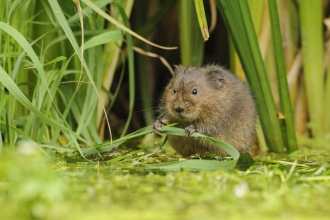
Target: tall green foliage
[
  {"x": 54, "y": 86},
  {"x": 58, "y": 61},
  {"x": 239, "y": 23}
]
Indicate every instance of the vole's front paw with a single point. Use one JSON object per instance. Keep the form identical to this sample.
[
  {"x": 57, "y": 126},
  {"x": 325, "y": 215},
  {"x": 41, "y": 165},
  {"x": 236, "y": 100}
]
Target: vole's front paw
[
  {"x": 189, "y": 130},
  {"x": 158, "y": 124}
]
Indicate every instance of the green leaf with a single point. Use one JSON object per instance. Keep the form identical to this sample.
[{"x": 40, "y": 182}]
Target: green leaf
[
  {"x": 202, "y": 19},
  {"x": 104, "y": 38},
  {"x": 58, "y": 59},
  {"x": 223, "y": 145},
  {"x": 200, "y": 164},
  {"x": 178, "y": 165},
  {"x": 119, "y": 25}
]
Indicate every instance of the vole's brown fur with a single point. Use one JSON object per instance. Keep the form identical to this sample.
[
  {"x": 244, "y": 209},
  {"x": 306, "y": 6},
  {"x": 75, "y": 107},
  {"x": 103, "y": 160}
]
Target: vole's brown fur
[{"x": 209, "y": 100}]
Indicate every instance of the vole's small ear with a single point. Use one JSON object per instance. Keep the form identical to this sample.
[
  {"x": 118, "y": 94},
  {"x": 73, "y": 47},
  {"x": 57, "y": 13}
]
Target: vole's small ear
[
  {"x": 176, "y": 66},
  {"x": 178, "y": 69},
  {"x": 216, "y": 76},
  {"x": 218, "y": 79}
]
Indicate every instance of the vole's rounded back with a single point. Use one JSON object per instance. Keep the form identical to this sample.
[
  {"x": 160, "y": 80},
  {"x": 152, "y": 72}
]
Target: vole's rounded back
[{"x": 212, "y": 101}]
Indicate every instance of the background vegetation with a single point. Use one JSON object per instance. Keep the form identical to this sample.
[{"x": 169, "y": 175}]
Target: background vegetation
[{"x": 61, "y": 82}]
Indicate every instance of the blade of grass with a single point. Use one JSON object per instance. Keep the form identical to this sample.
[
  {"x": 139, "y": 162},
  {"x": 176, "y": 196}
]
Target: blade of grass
[
  {"x": 131, "y": 72},
  {"x": 196, "y": 164},
  {"x": 119, "y": 25},
  {"x": 192, "y": 164},
  {"x": 202, "y": 19},
  {"x": 104, "y": 38},
  {"x": 285, "y": 103},
  {"x": 226, "y": 147}
]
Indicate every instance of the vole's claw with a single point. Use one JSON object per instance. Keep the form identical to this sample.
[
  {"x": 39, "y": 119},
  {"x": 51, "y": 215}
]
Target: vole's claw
[
  {"x": 189, "y": 130},
  {"x": 158, "y": 126}
]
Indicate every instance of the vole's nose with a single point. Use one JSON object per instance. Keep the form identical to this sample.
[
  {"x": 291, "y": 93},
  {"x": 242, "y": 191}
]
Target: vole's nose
[{"x": 179, "y": 110}]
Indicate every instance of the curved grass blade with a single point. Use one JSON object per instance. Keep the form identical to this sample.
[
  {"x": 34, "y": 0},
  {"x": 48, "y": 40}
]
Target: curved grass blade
[
  {"x": 202, "y": 19},
  {"x": 223, "y": 145},
  {"x": 177, "y": 165},
  {"x": 199, "y": 164},
  {"x": 104, "y": 38},
  {"x": 119, "y": 25},
  {"x": 107, "y": 145}
]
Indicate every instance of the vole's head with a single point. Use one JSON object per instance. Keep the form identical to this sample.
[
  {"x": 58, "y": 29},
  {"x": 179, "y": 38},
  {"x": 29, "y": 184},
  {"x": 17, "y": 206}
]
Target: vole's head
[{"x": 193, "y": 92}]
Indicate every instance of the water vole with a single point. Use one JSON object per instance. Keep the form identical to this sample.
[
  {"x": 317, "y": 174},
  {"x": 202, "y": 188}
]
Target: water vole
[{"x": 209, "y": 100}]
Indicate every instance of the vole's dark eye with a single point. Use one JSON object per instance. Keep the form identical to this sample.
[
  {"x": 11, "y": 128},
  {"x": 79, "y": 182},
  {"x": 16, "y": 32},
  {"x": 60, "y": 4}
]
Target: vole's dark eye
[
  {"x": 175, "y": 90},
  {"x": 194, "y": 92}
]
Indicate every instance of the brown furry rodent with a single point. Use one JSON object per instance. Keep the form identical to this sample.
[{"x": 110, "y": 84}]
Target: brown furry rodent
[{"x": 209, "y": 100}]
